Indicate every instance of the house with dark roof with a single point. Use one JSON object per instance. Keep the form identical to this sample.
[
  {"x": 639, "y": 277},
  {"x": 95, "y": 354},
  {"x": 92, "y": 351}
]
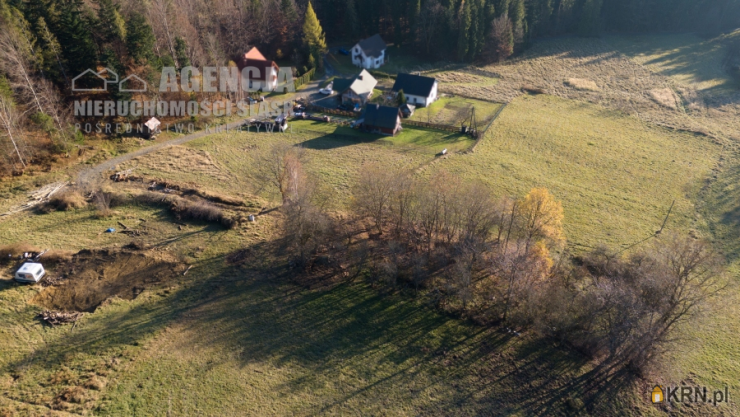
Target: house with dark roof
[
  {"x": 381, "y": 119},
  {"x": 419, "y": 91},
  {"x": 263, "y": 73},
  {"x": 358, "y": 89},
  {"x": 369, "y": 53}
]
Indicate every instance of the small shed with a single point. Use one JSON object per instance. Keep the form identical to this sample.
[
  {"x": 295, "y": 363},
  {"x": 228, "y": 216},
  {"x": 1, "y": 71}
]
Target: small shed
[
  {"x": 30, "y": 272},
  {"x": 407, "y": 110},
  {"x": 151, "y": 128}
]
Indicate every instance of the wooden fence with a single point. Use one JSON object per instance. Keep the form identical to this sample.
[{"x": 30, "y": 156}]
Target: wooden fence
[
  {"x": 331, "y": 111},
  {"x": 446, "y": 128}
]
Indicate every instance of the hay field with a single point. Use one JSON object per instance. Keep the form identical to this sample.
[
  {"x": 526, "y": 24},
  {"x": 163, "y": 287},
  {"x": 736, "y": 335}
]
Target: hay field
[
  {"x": 685, "y": 58},
  {"x": 623, "y": 83}
]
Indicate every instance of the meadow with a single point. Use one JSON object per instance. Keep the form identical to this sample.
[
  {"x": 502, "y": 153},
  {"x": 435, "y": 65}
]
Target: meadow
[{"x": 241, "y": 339}]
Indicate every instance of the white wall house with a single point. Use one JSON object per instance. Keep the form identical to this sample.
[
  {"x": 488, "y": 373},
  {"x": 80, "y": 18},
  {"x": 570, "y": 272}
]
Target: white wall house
[
  {"x": 419, "y": 91},
  {"x": 369, "y": 53}
]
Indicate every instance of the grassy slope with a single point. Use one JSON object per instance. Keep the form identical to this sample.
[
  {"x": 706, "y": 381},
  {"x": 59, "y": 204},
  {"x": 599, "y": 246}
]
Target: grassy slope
[
  {"x": 227, "y": 347},
  {"x": 685, "y": 58},
  {"x": 615, "y": 175}
]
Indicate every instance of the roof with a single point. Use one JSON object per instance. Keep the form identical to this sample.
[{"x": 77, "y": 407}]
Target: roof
[
  {"x": 31, "y": 268},
  {"x": 254, "y": 53},
  {"x": 416, "y": 85},
  {"x": 373, "y": 46},
  {"x": 262, "y": 64},
  {"x": 361, "y": 83},
  {"x": 381, "y": 116},
  {"x": 152, "y": 123}
]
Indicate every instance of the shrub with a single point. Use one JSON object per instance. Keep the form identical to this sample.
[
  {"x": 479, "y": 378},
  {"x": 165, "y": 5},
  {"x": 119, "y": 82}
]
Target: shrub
[{"x": 66, "y": 200}]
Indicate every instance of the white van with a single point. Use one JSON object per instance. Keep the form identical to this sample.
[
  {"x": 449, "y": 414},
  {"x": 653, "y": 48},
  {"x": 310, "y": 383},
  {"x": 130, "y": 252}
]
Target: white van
[{"x": 30, "y": 272}]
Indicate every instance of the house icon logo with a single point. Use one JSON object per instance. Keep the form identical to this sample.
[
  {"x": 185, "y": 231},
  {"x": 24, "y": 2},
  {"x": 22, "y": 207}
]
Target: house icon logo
[
  {"x": 132, "y": 84},
  {"x": 657, "y": 395},
  {"x": 97, "y": 81}
]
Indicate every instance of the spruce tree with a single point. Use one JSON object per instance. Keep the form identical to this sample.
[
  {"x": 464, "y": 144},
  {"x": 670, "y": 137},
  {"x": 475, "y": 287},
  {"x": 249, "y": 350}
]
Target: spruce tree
[
  {"x": 181, "y": 52},
  {"x": 414, "y": 11},
  {"x": 351, "y": 22},
  {"x": 76, "y": 38},
  {"x": 140, "y": 39},
  {"x": 463, "y": 36},
  {"x": 313, "y": 36}
]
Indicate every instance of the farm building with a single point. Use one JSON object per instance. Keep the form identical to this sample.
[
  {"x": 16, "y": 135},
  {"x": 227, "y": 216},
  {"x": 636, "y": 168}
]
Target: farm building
[
  {"x": 369, "y": 53},
  {"x": 358, "y": 89},
  {"x": 265, "y": 74},
  {"x": 381, "y": 119},
  {"x": 419, "y": 90}
]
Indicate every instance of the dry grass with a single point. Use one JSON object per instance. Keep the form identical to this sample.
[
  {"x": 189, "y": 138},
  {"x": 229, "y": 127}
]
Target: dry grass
[
  {"x": 624, "y": 85},
  {"x": 191, "y": 165},
  {"x": 15, "y": 250},
  {"x": 185, "y": 209},
  {"x": 665, "y": 97},
  {"x": 69, "y": 199},
  {"x": 582, "y": 84}
]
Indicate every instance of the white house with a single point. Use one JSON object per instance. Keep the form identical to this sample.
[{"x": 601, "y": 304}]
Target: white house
[
  {"x": 266, "y": 70},
  {"x": 369, "y": 53},
  {"x": 419, "y": 91}
]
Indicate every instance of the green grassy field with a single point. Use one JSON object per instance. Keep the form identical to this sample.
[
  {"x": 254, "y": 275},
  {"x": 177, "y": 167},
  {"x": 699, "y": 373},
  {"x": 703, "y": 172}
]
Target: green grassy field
[
  {"x": 615, "y": 175},
  {"x": 453, "y": 110}
]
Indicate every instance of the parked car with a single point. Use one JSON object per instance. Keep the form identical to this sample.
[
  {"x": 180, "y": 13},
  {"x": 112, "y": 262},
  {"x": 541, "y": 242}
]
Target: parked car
[
  {"x": 343, "y": 51},
  {"x": 30, "y": 272},
  {"x": 327, "y": 90}
]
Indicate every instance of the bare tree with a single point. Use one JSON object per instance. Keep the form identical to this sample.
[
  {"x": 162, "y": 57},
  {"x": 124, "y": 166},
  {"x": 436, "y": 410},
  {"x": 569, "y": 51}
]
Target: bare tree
[
  {"x": 374, "y": 193},
  {"x": 280, "y": 166},
  {"x": 9, "y": 123},
  {"x": 16, "y": 61}
]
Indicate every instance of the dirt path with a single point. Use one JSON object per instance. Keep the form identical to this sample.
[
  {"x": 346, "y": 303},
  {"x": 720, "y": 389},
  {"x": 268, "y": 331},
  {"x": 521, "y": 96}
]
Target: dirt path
[{"x": 94, "y": 172}]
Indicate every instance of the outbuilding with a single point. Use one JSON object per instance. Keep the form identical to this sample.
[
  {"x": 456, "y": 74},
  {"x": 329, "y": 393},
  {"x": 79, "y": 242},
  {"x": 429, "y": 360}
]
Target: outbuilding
[
  {"x": 384, "y": 120},
  {"x": 30, "y": 272}
]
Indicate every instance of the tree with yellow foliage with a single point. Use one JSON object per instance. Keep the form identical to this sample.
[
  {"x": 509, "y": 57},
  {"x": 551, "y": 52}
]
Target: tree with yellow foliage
[{"x": 539, "y": 217}]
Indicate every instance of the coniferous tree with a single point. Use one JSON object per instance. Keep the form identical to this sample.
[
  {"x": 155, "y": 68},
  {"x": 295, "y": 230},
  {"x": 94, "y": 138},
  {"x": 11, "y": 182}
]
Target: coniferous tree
[
  {"x": 140, "y": 39},
  {"x": 76, "y": 38},
  {"x": 313, "y": 36},
  {"x": 414, "y": 10},
  {"x": 463, "y": 36},
  {"x": 181, "y": 52},
  {"x": 351, "y": 22}
]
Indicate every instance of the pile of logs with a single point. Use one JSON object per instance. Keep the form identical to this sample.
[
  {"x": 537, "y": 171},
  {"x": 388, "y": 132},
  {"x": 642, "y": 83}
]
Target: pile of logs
[{"x": 56, "y": 318}]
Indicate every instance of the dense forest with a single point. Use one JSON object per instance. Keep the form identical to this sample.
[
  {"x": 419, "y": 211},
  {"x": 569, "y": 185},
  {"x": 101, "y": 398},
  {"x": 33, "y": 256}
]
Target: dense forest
[{"x": 45, "y": 43}]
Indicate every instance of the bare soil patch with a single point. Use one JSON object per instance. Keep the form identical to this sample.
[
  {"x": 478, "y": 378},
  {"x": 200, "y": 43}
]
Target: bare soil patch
[{"x": 93, "y": 276}]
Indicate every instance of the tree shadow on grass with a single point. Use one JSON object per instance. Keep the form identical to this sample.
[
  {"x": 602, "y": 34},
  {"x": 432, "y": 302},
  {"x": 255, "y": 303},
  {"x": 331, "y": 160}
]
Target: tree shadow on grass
[
  {"x": 378, "y": 343},
  {"x": 339, "y": 140}
]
